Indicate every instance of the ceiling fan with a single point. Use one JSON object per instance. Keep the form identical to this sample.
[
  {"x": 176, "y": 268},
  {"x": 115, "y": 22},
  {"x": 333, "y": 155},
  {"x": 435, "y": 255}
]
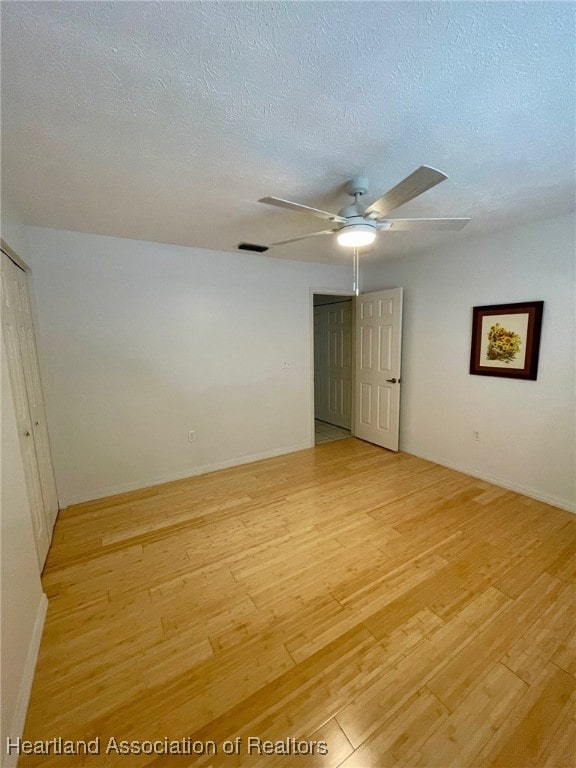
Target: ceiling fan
[{"x": 356, "y": 225}]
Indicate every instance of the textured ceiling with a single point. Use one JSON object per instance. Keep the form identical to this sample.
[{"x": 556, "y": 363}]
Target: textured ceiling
[{"x": 166, "y": 121}]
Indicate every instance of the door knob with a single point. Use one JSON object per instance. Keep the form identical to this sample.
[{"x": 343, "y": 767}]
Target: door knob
[{"x": 391, "y": 381}]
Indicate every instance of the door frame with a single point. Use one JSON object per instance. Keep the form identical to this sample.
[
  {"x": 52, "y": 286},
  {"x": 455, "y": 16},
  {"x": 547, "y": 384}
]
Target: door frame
[{"x": 329, "y": 292}]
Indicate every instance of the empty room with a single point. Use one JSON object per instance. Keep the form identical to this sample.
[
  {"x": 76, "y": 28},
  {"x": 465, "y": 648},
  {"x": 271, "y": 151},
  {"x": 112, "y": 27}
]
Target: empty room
[{"x": 288, "y": 454}]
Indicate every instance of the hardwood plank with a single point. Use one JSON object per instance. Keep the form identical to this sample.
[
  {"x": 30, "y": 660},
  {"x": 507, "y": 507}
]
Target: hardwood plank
[
  {"x": 473, "y": 660},
  {"x": 389, "y": 691},
  {"x": 397, "y": 740},
  {"x": 298, "y": 702},
  {"x": 556, "y": 546},
  {"x": 532, "y": 726},
  {"x": 531, "y": 653},
  {"x": 565, "y": 656},
  {"x": 459, "y": 738}
]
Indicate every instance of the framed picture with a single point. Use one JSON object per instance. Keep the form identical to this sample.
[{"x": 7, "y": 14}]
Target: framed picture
[{"x": 506, "y": 340}]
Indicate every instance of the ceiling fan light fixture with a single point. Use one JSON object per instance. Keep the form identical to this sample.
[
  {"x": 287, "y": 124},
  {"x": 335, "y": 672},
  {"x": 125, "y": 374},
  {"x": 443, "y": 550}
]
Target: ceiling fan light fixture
[
  {"x": 357, "y": 224},
  {"x": 356, "y": 235}
]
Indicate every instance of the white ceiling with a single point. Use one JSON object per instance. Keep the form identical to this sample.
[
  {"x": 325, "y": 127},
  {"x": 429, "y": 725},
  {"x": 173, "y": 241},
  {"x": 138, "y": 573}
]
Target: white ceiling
[{"x": 166, "y": 121}]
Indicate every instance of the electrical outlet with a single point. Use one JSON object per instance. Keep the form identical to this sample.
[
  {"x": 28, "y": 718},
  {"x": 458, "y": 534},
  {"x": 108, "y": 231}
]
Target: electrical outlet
[
  {"x": 286, "y": 364},
  {"x": 192, "y": 436},
  {"x": 476, "y": 436}
]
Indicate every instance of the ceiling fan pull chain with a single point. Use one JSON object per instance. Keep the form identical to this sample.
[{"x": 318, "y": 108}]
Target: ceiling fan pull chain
[{"x": 356, "y": 272}]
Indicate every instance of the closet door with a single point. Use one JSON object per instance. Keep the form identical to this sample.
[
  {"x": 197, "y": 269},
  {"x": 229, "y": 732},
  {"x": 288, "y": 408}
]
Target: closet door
[
  {"x": 320, "y": 365},
  {"x": 18, "y": 333},
  {"x": 36, "y": 402},
  {"x": 333, "y": 363}
]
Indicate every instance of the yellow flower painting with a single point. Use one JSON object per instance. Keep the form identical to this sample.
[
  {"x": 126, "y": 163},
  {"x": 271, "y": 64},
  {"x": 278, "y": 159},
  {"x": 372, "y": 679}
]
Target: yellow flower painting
[
  {"x": 506, "y": 339},
  {"x": 503, "y": 344}
]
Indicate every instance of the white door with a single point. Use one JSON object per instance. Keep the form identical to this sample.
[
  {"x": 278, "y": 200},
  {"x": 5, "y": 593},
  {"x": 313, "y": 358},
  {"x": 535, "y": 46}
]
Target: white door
[
  {"x": 333, "y": 362},
  {"x": 36, "y": 403},
  {"x": 18, "y": 333},
  {"x": 377, "y": 386}
]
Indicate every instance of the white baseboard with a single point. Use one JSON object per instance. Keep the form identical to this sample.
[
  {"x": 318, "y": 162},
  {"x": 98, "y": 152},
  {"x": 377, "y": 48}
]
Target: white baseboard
[
  {"x": 552, "y": 500},
  {"x": 191, "y": 472},
  {"x": 19, "y": 717}
]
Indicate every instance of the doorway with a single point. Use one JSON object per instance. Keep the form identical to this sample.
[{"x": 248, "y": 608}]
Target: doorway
[
  {"x": 373, "y": 376},
  {"x": 333, "y": 366}
]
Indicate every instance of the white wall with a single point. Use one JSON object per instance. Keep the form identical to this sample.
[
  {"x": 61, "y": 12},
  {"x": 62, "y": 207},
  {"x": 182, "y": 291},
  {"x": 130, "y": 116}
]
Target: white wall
[
  {"x": 141, "y": 342},
  {"x": 527, "y": 428},
  {"x": 23, "y": 602}
]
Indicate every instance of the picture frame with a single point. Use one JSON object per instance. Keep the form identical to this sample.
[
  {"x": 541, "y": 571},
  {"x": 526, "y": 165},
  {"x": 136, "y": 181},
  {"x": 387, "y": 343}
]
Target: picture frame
[{"x": 506, "y": 340}]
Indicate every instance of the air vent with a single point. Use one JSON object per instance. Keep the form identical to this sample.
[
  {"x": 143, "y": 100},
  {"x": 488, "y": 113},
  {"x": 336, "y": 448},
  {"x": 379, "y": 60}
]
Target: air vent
[{"x": 252, "y": 247}]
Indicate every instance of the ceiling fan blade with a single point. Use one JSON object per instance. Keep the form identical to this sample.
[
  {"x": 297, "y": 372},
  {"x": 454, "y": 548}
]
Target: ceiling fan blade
[
  {"x": 303, "y": 237},
  {"x": 420, "y": 225},
  {"x": 419, "y": 181},
  {"x": 302, "y": 208}
]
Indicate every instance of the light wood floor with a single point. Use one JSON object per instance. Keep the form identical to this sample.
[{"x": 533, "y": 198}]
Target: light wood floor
[{"x": 401, "y": 612}]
